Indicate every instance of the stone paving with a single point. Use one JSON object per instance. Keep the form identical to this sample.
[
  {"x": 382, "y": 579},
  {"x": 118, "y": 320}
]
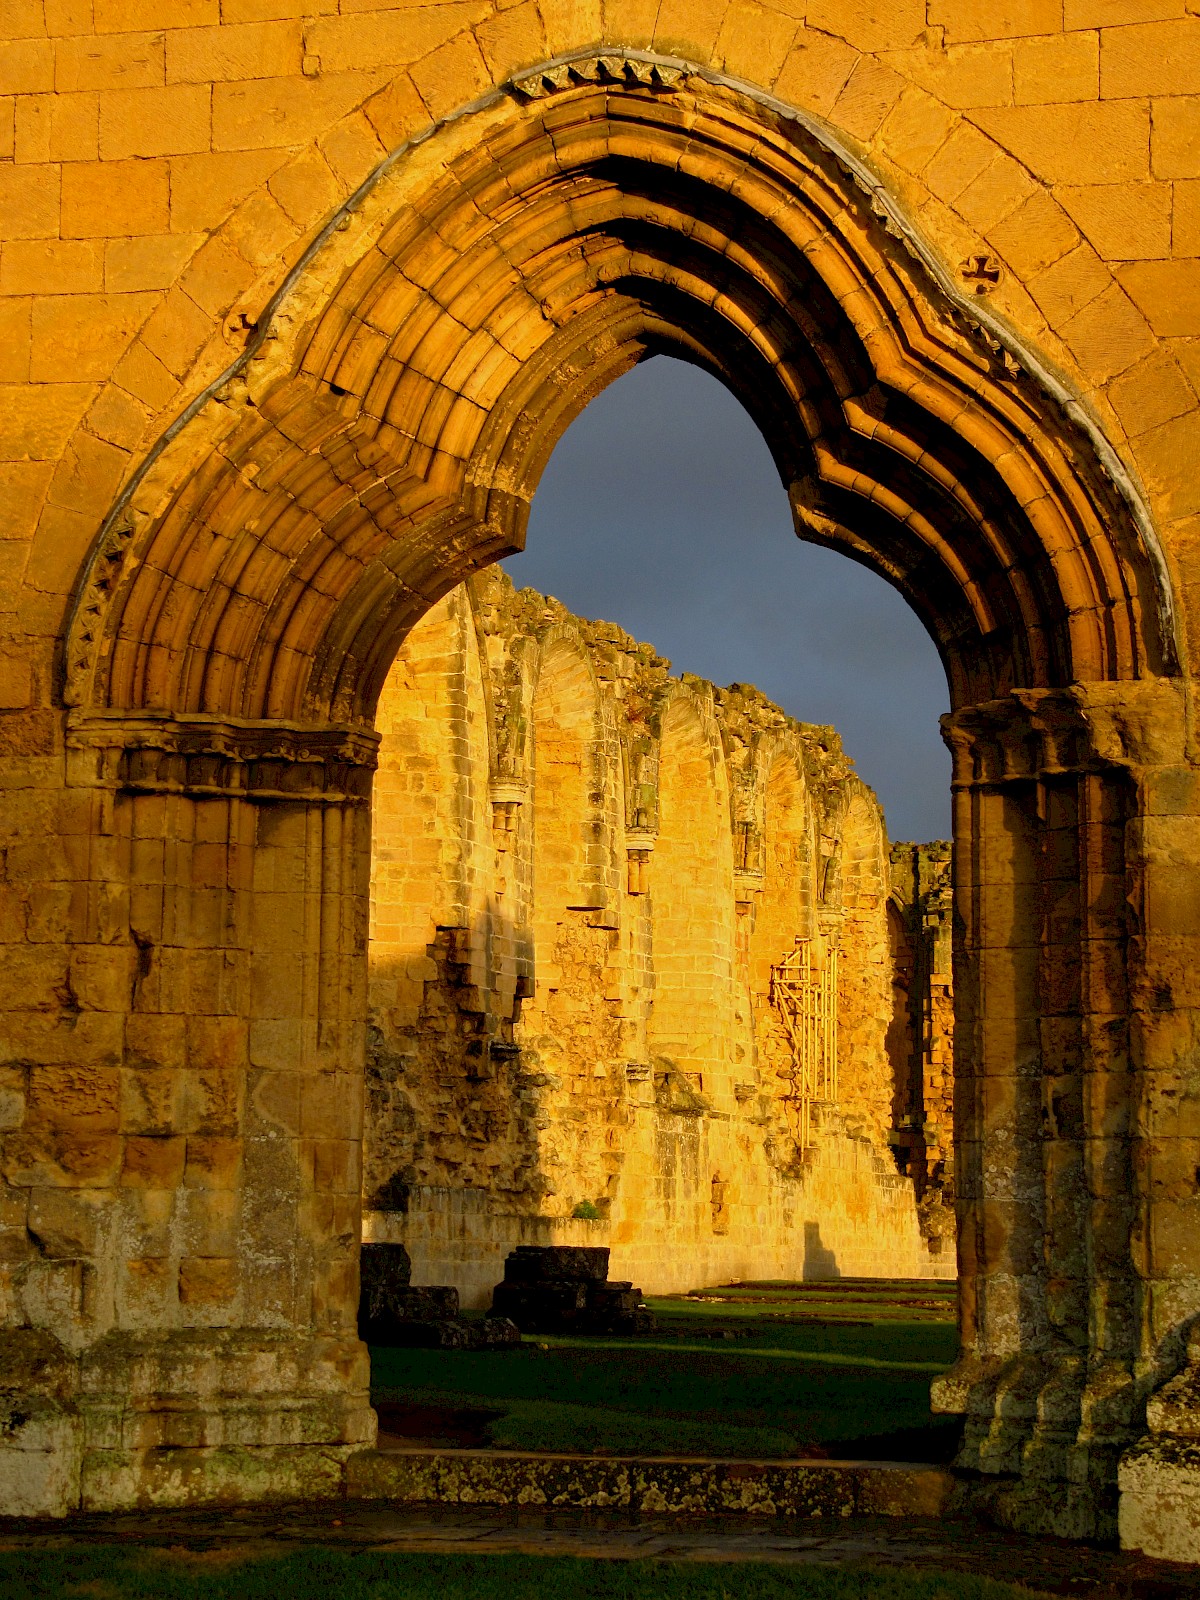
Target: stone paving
[{"x": 944, "y": 1543}]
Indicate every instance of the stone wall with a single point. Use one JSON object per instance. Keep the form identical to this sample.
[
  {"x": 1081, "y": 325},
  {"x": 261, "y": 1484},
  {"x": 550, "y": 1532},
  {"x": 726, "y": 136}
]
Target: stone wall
[
  {"x": 293, "y": 310},
  {"x": 584, "y": 873}
]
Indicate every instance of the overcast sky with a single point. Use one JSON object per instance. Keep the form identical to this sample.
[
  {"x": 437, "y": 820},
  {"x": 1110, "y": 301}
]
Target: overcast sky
[{"x": 661, "y": 510}]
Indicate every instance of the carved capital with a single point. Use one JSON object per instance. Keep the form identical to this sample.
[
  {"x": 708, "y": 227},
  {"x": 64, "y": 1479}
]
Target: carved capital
[
  {"x": 639, "y": 843},
  {"x": 207, "y": 757},
  {"x": 507, "y": 798},
  {"x": 1037, "y": 733}
]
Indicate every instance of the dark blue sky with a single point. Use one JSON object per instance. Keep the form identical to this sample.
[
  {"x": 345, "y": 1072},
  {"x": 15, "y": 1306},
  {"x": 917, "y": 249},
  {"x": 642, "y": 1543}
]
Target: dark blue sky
[{"x": 661, "y": 510}]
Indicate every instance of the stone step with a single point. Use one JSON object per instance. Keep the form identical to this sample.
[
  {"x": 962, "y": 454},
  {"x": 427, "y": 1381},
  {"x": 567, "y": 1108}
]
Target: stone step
[{"x": 415, "y": 1475}]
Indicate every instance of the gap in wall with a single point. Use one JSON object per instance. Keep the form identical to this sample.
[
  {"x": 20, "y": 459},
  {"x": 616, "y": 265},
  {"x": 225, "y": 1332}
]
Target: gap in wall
[{"x": 553, "y": 1062}]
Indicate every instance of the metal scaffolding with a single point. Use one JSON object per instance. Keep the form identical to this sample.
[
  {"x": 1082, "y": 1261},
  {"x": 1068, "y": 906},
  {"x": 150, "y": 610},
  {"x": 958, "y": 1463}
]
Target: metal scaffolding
[{"x": 804, "y": 993}]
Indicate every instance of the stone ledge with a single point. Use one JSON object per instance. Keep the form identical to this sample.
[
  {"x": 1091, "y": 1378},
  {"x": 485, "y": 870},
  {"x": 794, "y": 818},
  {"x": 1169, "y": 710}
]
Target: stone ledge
[
  {"x": 668, "y": 1484},
  {"x": 123, "y": 1480}
]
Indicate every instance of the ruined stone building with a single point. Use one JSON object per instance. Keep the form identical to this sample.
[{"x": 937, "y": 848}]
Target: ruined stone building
[
  {"x": 630, "y": 956},
  {"x": 295, "y": 304}
]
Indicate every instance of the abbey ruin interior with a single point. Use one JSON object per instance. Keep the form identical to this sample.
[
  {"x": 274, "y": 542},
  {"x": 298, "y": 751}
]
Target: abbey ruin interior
[{"x": 636, "y": 953}]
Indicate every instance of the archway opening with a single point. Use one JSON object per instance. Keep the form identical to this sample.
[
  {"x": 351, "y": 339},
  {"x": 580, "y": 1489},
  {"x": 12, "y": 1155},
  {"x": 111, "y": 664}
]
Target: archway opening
[
  {"x": 661, "y": 510},
  {"x": 695, "y": 1073}
]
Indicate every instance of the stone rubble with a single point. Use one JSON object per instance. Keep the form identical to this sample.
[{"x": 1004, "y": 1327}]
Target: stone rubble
[
  {"x": 393, "y": 1311},
  {"x": 566, "y": 1289}
]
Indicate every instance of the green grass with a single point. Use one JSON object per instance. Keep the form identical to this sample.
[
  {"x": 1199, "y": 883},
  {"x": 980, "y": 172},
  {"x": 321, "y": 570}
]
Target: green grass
[
  {"x": 780, "y": 1384},
  {"x": 113, "y": 1572},
  {"x": 554, "y": 1425},
  {"x": 878, "y": 1300}
]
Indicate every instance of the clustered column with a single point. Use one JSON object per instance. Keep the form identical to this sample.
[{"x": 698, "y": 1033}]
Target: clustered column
[
  {"x": 1063, "y": 1331},
  {"x": 200, "y": 1174}
]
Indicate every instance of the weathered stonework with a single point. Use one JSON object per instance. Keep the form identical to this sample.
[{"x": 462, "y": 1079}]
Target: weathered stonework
[
  {"x": 920, "y": 1040},
  {"x": 666, "y": 1487},
  {"x": 572, "y": 1007},
  {"x": 1160, "y": 1476},
  {"x": 292, "y": 312}
]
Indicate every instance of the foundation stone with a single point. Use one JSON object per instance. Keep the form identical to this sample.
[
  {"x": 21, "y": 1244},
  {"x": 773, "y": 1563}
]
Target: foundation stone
[{"x": 564, "y": 1289}]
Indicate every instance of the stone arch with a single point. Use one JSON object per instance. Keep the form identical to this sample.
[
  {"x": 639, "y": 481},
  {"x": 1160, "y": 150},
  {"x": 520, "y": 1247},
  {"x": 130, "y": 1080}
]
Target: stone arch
[
  {"x": 781, "y": 907},
  {"x": 236, "y": 622},
  {"x": 901, "y": 1039},
  {"x": 788, "y": 904},
  {"x": 567, "y": 1026},
  {"x": 430, "y": 822},
  {"x": 408, "y": 422},
  {"x": 435, "y": 931}
]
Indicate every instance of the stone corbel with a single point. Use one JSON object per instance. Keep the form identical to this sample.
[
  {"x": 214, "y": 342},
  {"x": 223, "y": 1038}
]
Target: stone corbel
[
  {"x": 507, "y": 798},
  {"x": 747, "y": 887},
  {"x": 639, "y": 844}
]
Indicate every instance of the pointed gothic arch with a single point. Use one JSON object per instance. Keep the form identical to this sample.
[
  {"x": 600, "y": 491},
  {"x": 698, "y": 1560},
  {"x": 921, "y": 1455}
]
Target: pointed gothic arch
[
  {"x": 392, "y": 440},
  {"x": 247, "y": 596}
]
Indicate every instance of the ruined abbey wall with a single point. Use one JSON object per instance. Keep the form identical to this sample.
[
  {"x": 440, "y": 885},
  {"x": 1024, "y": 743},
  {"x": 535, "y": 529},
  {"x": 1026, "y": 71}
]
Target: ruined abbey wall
[{"x": 585, "y": 871}]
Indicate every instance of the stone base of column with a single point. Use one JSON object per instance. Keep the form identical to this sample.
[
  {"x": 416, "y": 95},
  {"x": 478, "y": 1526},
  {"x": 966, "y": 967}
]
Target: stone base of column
[
  {"x": 196, "y": 1417},
  {"x": 1023, "y": 1463},
  {"x": 200, "y": 1417},
  {"x": 1160, "y": 1499},
  {"x": 1047, "y": 1508},
  {"x": 1159, "y": 1477},
  {"x": 41, "y": 1433}
]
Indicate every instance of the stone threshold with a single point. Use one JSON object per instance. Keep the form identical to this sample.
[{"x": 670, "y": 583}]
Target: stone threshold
[{"x": 405, "y": 1474}]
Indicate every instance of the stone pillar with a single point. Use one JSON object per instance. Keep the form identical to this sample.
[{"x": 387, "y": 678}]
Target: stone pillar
[
  {"x": 189, "y": 1159},
  {"x": 1059, "y": 1204},
  {"x": 1160, "y": 1477},
  {"x": 997, "y": 1090}
]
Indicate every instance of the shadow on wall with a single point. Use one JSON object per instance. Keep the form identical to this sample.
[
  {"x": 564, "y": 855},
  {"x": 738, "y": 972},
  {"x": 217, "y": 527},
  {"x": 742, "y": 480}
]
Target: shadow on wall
[{"x": 818, "y": 1262}]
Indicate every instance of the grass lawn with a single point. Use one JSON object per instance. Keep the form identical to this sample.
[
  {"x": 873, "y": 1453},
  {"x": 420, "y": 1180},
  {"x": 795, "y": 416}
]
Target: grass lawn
[
  {"x": 316, "y": 1573},
  {"x": 748, "y": 1369}
]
